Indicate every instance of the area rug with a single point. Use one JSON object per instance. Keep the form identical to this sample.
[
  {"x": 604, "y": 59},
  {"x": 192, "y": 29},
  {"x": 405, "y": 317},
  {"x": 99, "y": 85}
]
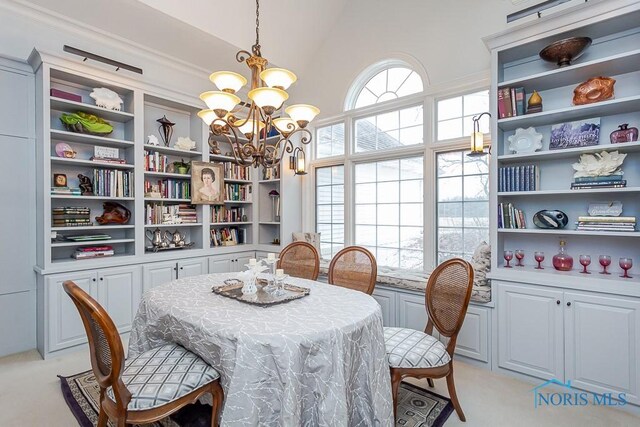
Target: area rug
[{"x": 416, "y": 406}]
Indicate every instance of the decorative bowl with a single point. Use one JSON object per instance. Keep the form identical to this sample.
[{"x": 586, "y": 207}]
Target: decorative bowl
[
  {"x": 562, "y": 52},
  {"x": 595, "y": 89},
  {"x": 525, "y": 141}
]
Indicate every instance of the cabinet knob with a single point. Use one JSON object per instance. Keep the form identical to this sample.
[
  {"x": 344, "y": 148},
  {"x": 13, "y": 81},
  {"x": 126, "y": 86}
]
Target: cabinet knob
[
  {"x": 558, "y": 302},
  {"x": 94, "y": 279},
  {"x": 102, "y": 278},
  {"x": 569, "y": 304},
  {"x": 175, "y": 268},
  {"x": 181, "y": 268}
]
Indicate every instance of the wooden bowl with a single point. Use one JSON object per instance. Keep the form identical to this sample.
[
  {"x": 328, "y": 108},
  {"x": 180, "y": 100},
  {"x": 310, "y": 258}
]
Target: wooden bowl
[{"x": 564, "y": 51}]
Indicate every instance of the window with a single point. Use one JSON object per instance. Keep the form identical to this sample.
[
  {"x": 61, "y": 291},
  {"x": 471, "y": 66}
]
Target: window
[
  {"x": 388, "y": 84},
  {"x": 463, "y": 204},
  {"x": 330, "y": 209},
  {"x": 330, "y": 140},
  {"x": 394, "y": 129},
  {"x": 388, "y": 211},
  {"x": 455, "y": 115}
]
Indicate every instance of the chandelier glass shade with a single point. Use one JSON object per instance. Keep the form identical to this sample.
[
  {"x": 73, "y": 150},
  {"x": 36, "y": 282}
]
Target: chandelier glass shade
[{"x": 259, "y": 130}]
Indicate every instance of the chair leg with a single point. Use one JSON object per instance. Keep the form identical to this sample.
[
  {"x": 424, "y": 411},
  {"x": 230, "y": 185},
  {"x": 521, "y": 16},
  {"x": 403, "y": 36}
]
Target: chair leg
[
  {"x": 396, "y": 379},
  {"x": 454, "y": 397},
  {"x": 218, "y": 395},
  {"x": 430, "y": 382},
  {"x": 102, "y": 418}
]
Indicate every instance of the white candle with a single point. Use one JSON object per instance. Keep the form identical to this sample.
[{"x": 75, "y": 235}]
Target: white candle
[
  {"x": 271, "y": 257},
  {"x": 252, "y": 262},
  {"x": 279, "y": 273}
]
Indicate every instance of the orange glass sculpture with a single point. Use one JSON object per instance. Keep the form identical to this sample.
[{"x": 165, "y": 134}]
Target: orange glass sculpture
[{"x": 595, "y": 89}]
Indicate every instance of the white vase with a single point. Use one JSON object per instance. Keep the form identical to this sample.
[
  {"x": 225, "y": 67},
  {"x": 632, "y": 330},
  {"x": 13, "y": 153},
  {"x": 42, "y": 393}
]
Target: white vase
[{"x": 250, "y": 287}]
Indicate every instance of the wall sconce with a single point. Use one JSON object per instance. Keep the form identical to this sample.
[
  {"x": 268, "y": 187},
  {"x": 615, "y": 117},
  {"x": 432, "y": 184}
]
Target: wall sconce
[
  {"x": 477, "y": 138},
  {"x": 297, "y": 162}
]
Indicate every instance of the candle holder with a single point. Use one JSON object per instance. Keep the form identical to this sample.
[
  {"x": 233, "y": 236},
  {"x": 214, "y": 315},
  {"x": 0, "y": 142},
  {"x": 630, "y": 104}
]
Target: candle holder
[
  {"x": 605, "y": 261},
  {"x": 271, "y": 263},
  {"x": 585, "y": 260},
  {"x": 508, "y": 256},
  {"x": 626, "y": 264},
  {"x": 539, "y": 257},
  {"x": 519, "y": 257}
]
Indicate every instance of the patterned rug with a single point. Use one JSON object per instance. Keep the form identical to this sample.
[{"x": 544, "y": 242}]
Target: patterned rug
[{"x": 416, "y": 407}]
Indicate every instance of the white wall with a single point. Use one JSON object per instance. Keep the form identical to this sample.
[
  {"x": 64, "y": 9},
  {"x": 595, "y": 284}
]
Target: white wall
[{"x": 444, "y": 37}]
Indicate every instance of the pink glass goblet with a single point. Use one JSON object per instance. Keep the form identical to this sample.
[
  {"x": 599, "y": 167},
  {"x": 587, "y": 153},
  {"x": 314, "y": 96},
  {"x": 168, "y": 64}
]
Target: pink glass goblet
[
  {"x": 626, "y": 264},
  {"x": 508, "y": 256},
  {"x": 605, "y": 261},
  {"x": 539, "y": 257},
  {"x": 585, "y": 260},
  {"x": 519, "y": 257}
]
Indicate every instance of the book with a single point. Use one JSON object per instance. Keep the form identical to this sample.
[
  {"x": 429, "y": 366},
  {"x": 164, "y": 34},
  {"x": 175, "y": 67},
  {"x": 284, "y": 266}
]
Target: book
[
  {"x": 598, "y": 183},
  {"x": 512, "y": 94},
  {"x": 623, "y": 219},
  {"x": 598, "y": 178},
  {"x": 520, "y": 101}
]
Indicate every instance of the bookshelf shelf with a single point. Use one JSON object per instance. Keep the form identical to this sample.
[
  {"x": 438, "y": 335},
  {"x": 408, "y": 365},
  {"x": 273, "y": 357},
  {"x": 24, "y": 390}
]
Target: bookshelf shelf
[
  {"x": 565, "y": 232},
  {"x": 63, "y": 196},
  {"x": 620, "y": 63},
  {"x": 269, "y": 181},
  {"x": 90, "y": 163},
  {"x": 572, "y": 112},
  {"x": 170, "y": 151},
  {"x": 568, "y": 192},
  {"x": 238, "y": 181},
  {"x": 269, "y": 223},
  {"x": 572, "y": 153},
  {"x": 225, "y": 224},
  {"x": 186, "y": 224},
  {"x": 91, "y": 243},
  {"x": 167, "y": 175},
  {"x": 231, "y": 202},
  {"x": 73, "y": 106},
  {"x": 166, "y": 200},
  {"x": 82, "y": 138},
  {"x": 94, "y": 227}
]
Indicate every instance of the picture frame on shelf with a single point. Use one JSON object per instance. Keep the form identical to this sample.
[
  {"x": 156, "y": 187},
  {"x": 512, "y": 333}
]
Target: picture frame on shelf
[
  {"x": 207, "y": 183},
  {"x": 580, "y": 133}
]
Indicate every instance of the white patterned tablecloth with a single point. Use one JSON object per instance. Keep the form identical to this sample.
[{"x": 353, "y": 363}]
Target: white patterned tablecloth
[{"x": 316, "y": 361}]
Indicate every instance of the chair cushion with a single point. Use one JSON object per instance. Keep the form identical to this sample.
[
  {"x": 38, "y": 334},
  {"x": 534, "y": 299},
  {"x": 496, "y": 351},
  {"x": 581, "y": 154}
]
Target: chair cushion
[
  {"x": 162, "y": 375},
  {"x": 408, "y": 348}
]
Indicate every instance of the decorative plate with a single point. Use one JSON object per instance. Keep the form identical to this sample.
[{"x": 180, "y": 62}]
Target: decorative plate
[
  {"x": 595, "y": 89},
  {"x": 525, "y": 141}
]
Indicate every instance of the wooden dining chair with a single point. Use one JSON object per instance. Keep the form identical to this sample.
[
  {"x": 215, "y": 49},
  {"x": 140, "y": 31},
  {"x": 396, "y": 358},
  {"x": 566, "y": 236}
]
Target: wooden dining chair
[
  {"x": 354, "y": 267},
  {"x": 300, "y": 259},
  {"x": 145, "y": 388},
  {"x": 418, "y": 354}
]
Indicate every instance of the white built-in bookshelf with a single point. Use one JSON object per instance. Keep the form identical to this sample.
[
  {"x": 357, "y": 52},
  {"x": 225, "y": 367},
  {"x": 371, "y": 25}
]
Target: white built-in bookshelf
[
  {"x": 246, "y": 200},
  {"x": 613, "y": 53}
]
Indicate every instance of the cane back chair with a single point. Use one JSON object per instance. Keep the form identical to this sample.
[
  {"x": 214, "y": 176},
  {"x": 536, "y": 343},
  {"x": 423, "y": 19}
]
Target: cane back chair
[
  {"x": 354, "y": 267},
  {"x": 300, "y": 259}
]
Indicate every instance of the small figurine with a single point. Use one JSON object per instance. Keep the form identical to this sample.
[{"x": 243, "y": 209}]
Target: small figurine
[
  {"x": 534, "y": 105},
  {"x": 165, "y": 129},
  {"x": 114, "y": 213},
  {"x": 153, "y": 140},
  {"x": 106, "y": 98},
  {"x": 86, "y": 187}
]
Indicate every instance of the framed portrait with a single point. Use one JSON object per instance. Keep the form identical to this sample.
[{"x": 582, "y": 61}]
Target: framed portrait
[{"x": 207, "y": 183}]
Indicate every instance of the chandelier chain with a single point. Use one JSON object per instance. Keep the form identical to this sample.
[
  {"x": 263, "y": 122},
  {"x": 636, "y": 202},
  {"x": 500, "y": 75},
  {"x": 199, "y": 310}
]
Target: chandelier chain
[{"x": 258, "y": 24}]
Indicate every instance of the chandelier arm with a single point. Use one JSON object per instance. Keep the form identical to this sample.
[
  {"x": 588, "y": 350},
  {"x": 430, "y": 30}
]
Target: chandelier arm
[
  {"x": 243, "y": 55},
  {"x": 223, "y": 130}
]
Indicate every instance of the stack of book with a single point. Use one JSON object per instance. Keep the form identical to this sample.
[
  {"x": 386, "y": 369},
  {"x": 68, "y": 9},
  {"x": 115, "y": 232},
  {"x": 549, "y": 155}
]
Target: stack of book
[
  {"x": 112, "y": 183},
  {"x": 606, "y": 223},
  {"x": 223, "y": 214},
  {"x": 238, "y": 192},
  {"x": 87, "y": 237},
  {"x": 187, "y": 213},
  {"x": 107, "y": 160},
  {"x": 589, "y": 182},
  {"x": 170, "y": 188},
  {"x": 71, "y": 216},
  {"x": 172, "y": 214},
  {"x": 89, "y": 252},
  {"x": 511, "y": 101},
  {"x": 519, "y": 178},
  {"x": 155, "y": 162},
  {"x": 232, "y": 171},
  {"x": 228, "y": 236},
  {"x": 271, "y": 173},
  {"x": 510, "y": 217},
  {"x": 65, "y": 191}
]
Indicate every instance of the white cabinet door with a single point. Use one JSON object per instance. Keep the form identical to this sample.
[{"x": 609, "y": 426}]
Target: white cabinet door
[
  {"x": 387, "y": 301},
  {"x": 241, "y": 260},
  {"x": 602, "y": 344},
  {"x": 119, "y": 291},
  {"x": 530, "y": 330},
  {"x": 63, "y": 322},
  {"x": 158, "y": 273},
  {"x": 412, "y": 312},
  {"x": 473, "y": 338},
  {"x": 219, "y": 264},
  {"x": 192, "y": 267}
]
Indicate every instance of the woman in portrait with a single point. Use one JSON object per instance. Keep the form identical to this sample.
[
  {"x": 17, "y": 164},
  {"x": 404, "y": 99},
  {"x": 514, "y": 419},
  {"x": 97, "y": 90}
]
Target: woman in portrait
[
  {"x": 207, "y": 183},
  {"x": 209, "y": 191}
]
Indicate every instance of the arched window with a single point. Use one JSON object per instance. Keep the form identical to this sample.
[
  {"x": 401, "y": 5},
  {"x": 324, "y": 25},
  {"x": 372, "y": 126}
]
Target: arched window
[{"x": 381, "y": 82}]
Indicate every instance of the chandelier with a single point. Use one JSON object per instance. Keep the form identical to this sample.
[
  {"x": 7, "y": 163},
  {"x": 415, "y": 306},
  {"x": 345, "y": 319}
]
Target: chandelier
[{"x": 230, "y": 118}]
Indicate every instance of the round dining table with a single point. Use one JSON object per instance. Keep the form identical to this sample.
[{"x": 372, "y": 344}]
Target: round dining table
[{"x": 316, "y": 361}]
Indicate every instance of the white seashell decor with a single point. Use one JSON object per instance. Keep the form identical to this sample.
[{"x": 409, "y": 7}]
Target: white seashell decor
[
  {"x": 185, "y": 143},
  {"x": 106, "y": 98},
  {"x": 599, "y": 164}
]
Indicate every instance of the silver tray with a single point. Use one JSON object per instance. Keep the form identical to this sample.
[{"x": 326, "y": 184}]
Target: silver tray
[{"x": 261, "y": 298}]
